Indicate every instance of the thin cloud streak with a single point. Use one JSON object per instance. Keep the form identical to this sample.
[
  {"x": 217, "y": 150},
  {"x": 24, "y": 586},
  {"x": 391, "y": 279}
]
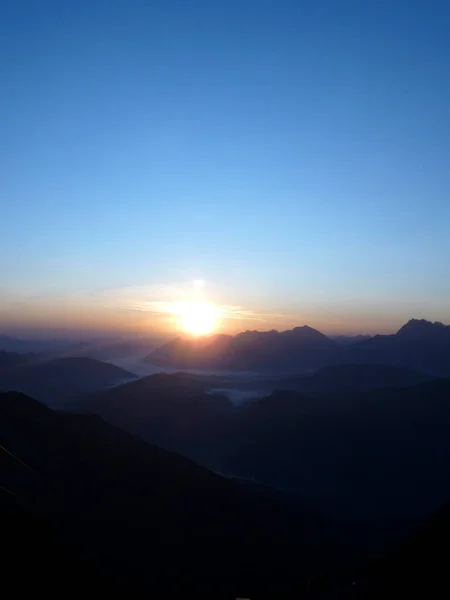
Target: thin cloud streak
[
  {"x": 160, "y": 302},
  {"x": 169, "y": 299},
  {"x": 226, "y": 311}
]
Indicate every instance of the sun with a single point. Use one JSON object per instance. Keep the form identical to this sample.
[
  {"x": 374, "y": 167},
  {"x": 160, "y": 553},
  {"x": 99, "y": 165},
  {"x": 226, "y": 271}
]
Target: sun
[{"x": 198, "y": 318}]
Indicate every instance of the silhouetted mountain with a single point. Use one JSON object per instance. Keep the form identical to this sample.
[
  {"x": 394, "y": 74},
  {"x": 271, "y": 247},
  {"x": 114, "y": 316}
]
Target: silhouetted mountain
[
  {"x": 104, "y": 348},
  {"x": 12, "y": 344},
  {"x": 352, "y": 378},
  {"x": 58, "y": 380},
  {"x": 203, "y": 351},
  {"x": 35, "y": 551},
  {"x": 295, "y": 349},
  {"x": 109, "y": 348},
  {"x": 140, "y": 513},
  {"x": 418, "y": 568},
  {"x": 349, "y": 340},
  {"x": 420, "y": 329},
  {"x": 380, "y": 454},
  {"x": 419, "y": 344},
  {"x": 12, "y": 359},
  {"x": 173, "y": 411},
  {"x": 376, "y": 454},
  {"x": 301, "y": 347}
]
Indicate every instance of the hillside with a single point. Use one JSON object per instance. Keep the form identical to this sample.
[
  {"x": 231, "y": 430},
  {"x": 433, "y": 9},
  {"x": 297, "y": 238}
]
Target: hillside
[
  {"x": 56, "y": 381},
  {"x": 173, "y": 411},
  {"x": 295, "y": 349},
  {"x": 140, "y": 513},
  {"x": 379, "y": 454},
  {"x": 352, "y": 378},
  {"x": 359, "y": 454},
  {"x": 419, "y": 567},
  {"x": 419, "y": 344},
  {"x": 13, "y": 359}
]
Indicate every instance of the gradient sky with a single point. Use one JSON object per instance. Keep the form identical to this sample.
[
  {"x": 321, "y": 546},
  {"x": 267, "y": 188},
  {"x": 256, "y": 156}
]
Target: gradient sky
[{"x": 295, "y": 156}]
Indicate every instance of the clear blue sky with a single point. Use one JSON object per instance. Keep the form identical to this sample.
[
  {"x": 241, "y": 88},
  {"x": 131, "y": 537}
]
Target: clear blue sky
[{"x": 294, "y": 155}]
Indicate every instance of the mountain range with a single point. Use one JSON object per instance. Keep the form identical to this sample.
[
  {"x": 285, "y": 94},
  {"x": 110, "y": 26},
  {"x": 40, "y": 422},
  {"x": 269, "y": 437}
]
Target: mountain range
[
  {"x": 57, "y": 381},
  {"x": 139, "y": 514},
  {"x": 325, "y": 471},
  {"x": 350, "y": 378},
  {"x": 419, "y": 344},
  {"x": 21, "y": 346},
  {"x": 100, "y": 348},
  {"x": 378, "y": 455},
  {"x": 357, "y": 454},
  {"x": 174, "y": 411},
  {"x": 301, "y": 347},
  {"x": 14, "y": 359}
]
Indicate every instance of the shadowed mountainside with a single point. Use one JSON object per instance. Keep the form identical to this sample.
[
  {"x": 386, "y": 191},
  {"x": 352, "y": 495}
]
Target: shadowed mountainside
[
  {"x": 174, "y": 411},
  {"x": 13, "y": 344},
  {"x": 140, "y": 513},
  {"x": 349, "y": 340},
  {"x": 418, "y": 567},
  {"x": 419, "y": 345},
  {"x": 57, "y": 381},
  {"x": 352, "y": 378},
  {"x": 302, "y": 347},
  {"x": 385, "y": 452},
  {"x": 14, "y": 359},
  {"x": 380, "y": 453}
]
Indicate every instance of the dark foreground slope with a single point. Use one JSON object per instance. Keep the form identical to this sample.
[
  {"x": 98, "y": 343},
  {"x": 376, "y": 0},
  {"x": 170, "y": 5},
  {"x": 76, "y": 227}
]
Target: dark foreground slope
[
  {"x": 143, "y": 515},
  {"x": 417, "y": 568},
  {"x": 34, "y": 551}
]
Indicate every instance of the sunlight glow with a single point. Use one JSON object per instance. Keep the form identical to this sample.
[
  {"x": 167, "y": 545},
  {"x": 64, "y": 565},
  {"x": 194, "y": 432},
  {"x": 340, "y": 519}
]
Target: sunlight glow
[{"x": 198, "y": 318}]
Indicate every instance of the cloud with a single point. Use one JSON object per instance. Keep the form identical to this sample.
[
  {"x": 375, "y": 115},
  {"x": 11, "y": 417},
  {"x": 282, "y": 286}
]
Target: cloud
[
  {"x": 159, "y": 301},
  {"x": 225, "y": 311},
  {"x": 229, "y": 311},
  {"x": 169, "y": 300}
]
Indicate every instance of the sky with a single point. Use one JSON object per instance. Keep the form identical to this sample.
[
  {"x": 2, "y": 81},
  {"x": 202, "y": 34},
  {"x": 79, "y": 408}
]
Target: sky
[{"x": 291, "y": 156}]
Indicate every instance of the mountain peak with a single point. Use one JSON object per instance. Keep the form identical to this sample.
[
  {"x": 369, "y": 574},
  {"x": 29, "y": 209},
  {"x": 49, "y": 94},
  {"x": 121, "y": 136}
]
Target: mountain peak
[
  {"x": 298, "y": 348},
  {"x": 421, "y": 328},
  {"x": 305, "y": 328},
  {"x": 306, "y": 332}
]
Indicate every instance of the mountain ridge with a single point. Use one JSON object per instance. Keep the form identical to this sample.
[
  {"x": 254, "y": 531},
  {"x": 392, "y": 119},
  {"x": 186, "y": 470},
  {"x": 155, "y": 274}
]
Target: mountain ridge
[
  {"x": 248, "y": 350},
  {"x": 141, "y": 513},
  {"x": 57, "y": 380},
  {"x": 315, "y": 444},
  {"x": 419, "y": 344}
]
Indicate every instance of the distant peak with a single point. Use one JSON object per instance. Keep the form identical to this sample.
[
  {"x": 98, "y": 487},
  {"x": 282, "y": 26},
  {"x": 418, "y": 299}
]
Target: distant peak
[
  {"x": 255, "y": 333},
  {"x": 305, "y": 331},
  {"x": 419, "y": 328}
]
